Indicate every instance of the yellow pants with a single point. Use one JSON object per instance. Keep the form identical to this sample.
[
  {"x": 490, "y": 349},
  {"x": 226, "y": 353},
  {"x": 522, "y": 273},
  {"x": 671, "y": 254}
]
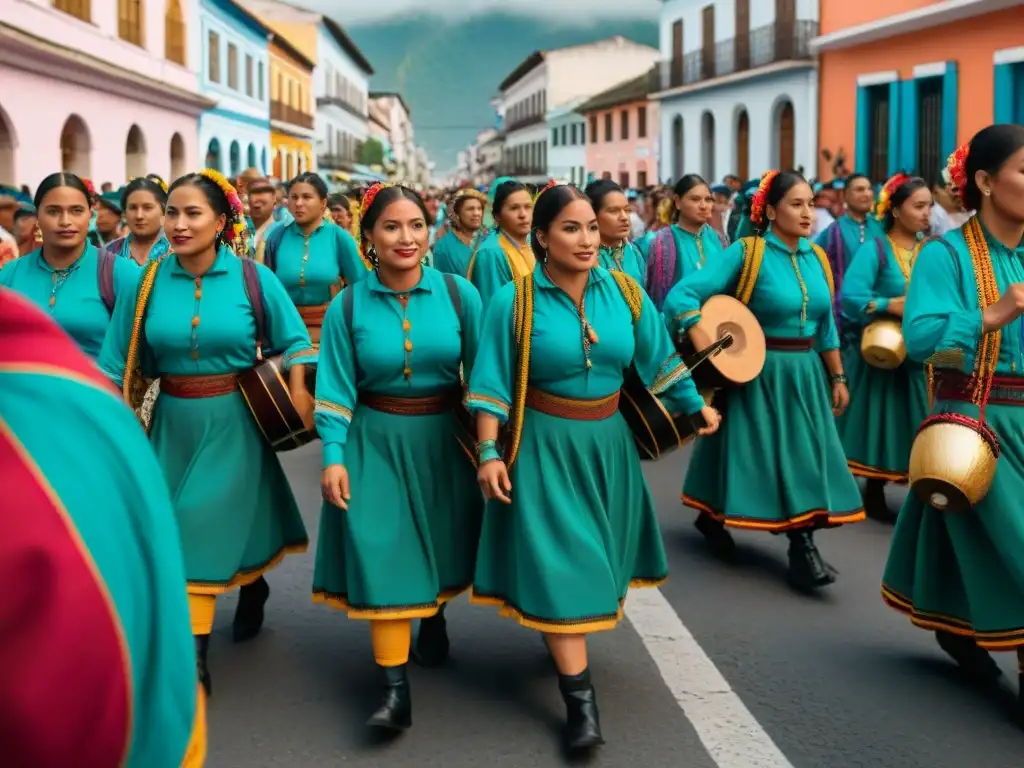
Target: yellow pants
[
  {"x": 201, "y": 609},
  {"x": 391, "y": 639}
]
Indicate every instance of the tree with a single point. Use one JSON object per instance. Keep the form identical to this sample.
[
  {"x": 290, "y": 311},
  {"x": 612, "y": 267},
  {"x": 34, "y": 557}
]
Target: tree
[{"x": 371, "y": 153}]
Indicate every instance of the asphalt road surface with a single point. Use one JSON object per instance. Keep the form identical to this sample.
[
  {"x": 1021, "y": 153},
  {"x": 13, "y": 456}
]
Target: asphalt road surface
[{"x": 724, "y": 667}]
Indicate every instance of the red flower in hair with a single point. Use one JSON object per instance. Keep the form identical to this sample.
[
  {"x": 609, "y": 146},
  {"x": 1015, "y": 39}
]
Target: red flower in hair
[
  {"x": 371, "y": 192},
  {"x": 757, "y": 202},
  {"x": 956, "y": 166},
  {"x": 89, "y": 186}
]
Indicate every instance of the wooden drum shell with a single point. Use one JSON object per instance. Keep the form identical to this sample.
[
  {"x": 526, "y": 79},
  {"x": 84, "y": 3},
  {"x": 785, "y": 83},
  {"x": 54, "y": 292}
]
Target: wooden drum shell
[
  {"x": 742, "y": 361},
  {"x": 269, "y": 399}
]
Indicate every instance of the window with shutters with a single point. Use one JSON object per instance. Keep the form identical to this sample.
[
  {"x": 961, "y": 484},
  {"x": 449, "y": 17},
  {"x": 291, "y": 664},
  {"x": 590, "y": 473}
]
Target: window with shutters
[
  {"x": 248, "y": 76},
  {"x": 641, "y": 122},
  {"x": 608, "y": 126},
  {"x": 565, "y": 130},
  {"x": 930, "y": 160},
  {"x": 641, "y": 179},
  {"x": 130, "y": 21},
  {"x": 80, "y": 9},
  {"x": 593, "y": 129},
  {"x": 624, "y": 179},
  {"x": 878, "y": 132},
  {"x": 174, "y": 33},
  {"x": 574, "y": 133},
  {"x": 232, "y": 66},
  {"x": 259, "y": 81},
  {"x": 213, "y": 56},
  {"x": 624, "y": 124},
  {"x": 554, "y": 137}
]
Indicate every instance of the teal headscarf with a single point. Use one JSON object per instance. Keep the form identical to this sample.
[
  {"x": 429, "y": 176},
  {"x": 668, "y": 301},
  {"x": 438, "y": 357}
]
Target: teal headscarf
[{"x": 488, "y": 213}]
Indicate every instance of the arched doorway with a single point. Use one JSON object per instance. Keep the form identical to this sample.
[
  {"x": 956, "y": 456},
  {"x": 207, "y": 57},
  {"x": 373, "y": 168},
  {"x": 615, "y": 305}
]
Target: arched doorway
[
  {"x": 235, "y": 155},
  {"x": 707, "y": 147},
  {"x": 678, "y": 157},
  {"x": 177, "y": 156},
  {"x": 135, "y": 153},
  {"x": 279, "y": 163},
  {"x": 786, "y": 131},
  {"x": 263, "y": 160},
  {"x": 743, "y": 145},
  {"x": 213, "y": 155},
  {"x": 301, "y": 160},
  {"x": 251, "y": 156},
  {"x": 75, "y": 147},
  {"x": 289, "y": 165},
  {"x": 7, "y": 146}
]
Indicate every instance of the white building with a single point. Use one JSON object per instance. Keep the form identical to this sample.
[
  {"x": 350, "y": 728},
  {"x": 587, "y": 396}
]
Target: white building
[
  {"x": 567, "y": 155},
  {"x": 548, "y": 81},
  {"x": 490, "y": 145},
  {"x": 342, "y": 82},
  {"x": 737, "y": 87},
  {"x": 392, "y": 110}
]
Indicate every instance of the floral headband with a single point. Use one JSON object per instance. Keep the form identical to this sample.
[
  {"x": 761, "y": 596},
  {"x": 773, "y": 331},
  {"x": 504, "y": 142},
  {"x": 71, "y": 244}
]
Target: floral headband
[
  {"x": 956, "y": 169},
  {"x": 371, "y": 194},
  {"x": 549, "y": 185},
  {"x": 236, "y": 232},
  {"x": 888, "y": 190},
  {"x": 758, "y": 201}
]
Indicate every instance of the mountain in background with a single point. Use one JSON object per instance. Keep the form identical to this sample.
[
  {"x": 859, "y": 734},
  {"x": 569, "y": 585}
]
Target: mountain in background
[{"x": 448, "y": 73}]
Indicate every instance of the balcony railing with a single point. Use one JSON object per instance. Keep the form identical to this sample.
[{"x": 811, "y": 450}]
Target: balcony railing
[
  {"x": 513, "y": 169},
  {"x": 322, "y": 101},
  {"x": 765, "y": 45},
  {"x": 284, "y": 113},
  {"x": 523, "y": 122},
  {"x": 336, "y": 162}
]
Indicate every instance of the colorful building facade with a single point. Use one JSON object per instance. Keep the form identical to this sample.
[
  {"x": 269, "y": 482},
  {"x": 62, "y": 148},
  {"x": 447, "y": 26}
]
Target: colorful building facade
[
  {"x": 292, "y": 110},
  {"x": 904, "y": 82},
  {"x": 90, "y": 91},
  {"x": 622, "y": 134},
  {"x": 235, "y": 133}
]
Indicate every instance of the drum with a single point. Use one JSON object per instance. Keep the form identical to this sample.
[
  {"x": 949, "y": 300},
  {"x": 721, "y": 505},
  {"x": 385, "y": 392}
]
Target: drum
[
  {"x": 737, "y": 363},
  {"x": 145, "y": 409},
  {"x": 465, "y": 431},
  {"x": 266, "y": 393},
  {"x": 881, "y": 344},
  {"x": 953, "y": 461}
]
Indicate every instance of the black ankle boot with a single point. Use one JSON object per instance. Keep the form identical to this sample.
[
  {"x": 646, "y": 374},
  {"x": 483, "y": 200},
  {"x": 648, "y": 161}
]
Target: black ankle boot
[
  {"x": 432, "y": 644},
  {"x": 875, "y": 505},
  {"x": 249, "y": 613},
  {"x": 395, "y": 711},
  {"x": 972, "y": 658},
  {"x": 807, "y": 568},
  {"x": 582, "y": 721},
  {"x": 715, "y": 534},
  {"x": 202, "y": 672}
]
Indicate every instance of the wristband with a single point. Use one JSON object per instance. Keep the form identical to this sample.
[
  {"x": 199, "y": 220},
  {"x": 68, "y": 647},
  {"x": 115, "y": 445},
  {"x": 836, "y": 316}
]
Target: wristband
[
  {"x": 839, "y": 378},
  {"x": 487, "y": 450}
]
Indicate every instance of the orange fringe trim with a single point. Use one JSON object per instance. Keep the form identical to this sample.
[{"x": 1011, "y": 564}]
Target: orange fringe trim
[
  {"x": 815, "y": 518},
  {"x": 1006, "y": 640}
]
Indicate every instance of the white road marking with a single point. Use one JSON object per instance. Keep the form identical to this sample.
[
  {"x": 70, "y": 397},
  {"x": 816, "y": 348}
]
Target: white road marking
[{"x": 728, "y": 731}]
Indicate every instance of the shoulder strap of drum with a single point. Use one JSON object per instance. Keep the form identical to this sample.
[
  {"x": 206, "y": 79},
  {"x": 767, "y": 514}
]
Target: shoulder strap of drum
[
  {"x": 826, "y": 267},
  {"x": 522, "y": 322},
  {"x": 753, "y": 255},
  {"x": 631, "y": 292},
  {"x": 132, "y": 385},
  {"x": 478, "y": 241},
  {"x": 254, "y": 291},
  {"x": 105, "y": 276},
  {"x": 880, "y": 248},
  {"x": 270, "y": 245}
]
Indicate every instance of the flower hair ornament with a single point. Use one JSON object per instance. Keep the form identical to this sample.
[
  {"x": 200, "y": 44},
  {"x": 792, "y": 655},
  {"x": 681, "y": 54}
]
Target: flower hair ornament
[
  {"x": 956, "y": 170},
  {"x": 551, "y": 183},
  {"x": 158, "y": 181},
  {"x": 888, "y": 190},
  {"x": 757, "y": 202},
  {"x": 236, "y": 230},
  {"x": 90, "y": 187},
  {"x": 368, "y": 197}
]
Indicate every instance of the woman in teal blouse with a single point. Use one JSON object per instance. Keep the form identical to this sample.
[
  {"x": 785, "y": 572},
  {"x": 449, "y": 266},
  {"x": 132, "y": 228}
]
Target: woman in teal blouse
[
  {"x": 616, "y": 253},
  {"x": 143, "y": 200},
  {"x": 886, "y": 406},
  {"x": 452, "y": 250},
  {"x": 962, "y": 575},
  {"x": 313, "y": 257},
  {"x": 778, "y": 465},
  {"x": 843, "y": 238},
  {"x": 688, "y": 244},
  {"x": 571, "y": 524},
  {"x": 505, "y": 254},
  {"x": 235, "y": 511},
  {"x": 67, "y": 276},
  {"x": 401, "y": 514}
]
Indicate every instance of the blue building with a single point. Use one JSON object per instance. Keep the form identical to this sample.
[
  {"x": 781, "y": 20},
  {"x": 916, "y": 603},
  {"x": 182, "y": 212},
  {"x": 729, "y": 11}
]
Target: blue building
[{"x": 235, "y": 134}]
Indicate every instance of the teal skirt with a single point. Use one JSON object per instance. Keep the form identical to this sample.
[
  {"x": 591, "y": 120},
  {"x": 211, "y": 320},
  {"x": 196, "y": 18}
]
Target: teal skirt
[
  {"x": 964, "y": 573},
  {"x": 407, "y": 542},
  {"x": 886, "y": 408},
  {"x": 235, "y": 510},
  {"x": 776, "y": 463},
  {"x": 580, "y": 531}
]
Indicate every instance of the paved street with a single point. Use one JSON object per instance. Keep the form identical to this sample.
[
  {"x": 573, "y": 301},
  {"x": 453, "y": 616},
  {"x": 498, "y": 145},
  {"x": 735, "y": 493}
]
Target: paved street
[{"x": 838, "y": 681}]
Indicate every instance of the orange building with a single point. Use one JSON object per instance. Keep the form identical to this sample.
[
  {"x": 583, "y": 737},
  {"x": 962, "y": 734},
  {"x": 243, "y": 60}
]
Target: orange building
[{"x": 904, "y": 82}]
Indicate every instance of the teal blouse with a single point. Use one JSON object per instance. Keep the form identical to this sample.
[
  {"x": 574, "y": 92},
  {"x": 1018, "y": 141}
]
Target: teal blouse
[
  {"x": 157, "y": 251},
  {"x": 426, "y": 339},
  {"x": 490, "y": 267},
  {"x": 557, "y": 361},
  {"x": 451, "y": 255},
  {"x": 310, "y": 266},
  {"x": 625, "y": 258},
  {"x": 778, "y": 301},
  {"x": 854, "y": 234},
  {"x": 72, "y": 296},
  {"x": 870, "y": 282},
  {"x": 942, "y": 322},
  {"x": 694, "y": 250},
  {"x": 223, "y": 340}
]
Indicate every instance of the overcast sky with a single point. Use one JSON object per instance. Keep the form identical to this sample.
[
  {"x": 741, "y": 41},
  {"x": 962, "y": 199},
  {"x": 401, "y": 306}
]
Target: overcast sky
[{"x": 568, "y": 11}]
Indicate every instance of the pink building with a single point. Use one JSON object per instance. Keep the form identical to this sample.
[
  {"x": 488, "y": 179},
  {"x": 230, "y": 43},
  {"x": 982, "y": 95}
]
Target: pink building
[
  {"x": 106, "y": 89},
  {"x": 622, "y": 134}
]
